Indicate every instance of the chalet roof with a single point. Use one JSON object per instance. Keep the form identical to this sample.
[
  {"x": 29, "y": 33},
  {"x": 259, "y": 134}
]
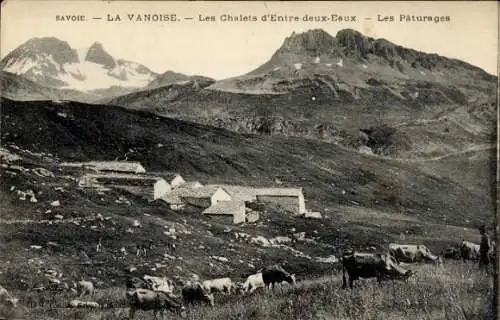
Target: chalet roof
[
  {"x": 124, "y": 179},
  {"x": 201, "y": 192},
  {"x": 239, "y": 192},
  {"x": 109, "y": 165},
  {"x": 174, "y": 196},
  {"x": 286, "y": 192},
  {"x": 248, "y": 193},
  {"x": 169, "y": 176},
  {"x": 224, "y": 208}
]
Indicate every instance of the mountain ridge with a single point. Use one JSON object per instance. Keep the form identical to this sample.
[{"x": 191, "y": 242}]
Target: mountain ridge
[
  {"x": 332, "y": 88},
  {"x": 52, "y": 62}
]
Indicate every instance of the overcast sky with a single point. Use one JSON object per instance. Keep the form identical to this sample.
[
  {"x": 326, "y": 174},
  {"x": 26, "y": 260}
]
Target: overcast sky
[{"x": 222, "y": 50}]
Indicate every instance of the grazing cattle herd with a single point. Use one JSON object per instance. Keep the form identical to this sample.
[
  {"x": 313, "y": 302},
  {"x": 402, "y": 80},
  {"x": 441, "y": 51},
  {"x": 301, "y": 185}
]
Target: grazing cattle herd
[
  {"x": 355, "y": 265},
  {"x": 157, "y": 294}
]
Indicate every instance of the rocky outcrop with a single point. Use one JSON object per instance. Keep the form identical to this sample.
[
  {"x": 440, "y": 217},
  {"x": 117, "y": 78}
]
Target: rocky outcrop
[{"x": 97, "y": 54}]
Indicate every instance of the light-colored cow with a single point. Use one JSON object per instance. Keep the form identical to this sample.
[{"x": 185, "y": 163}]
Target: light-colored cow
[
  {"x": 83, "y": 304},
  {"x": 6, "y": 297},
  {"x": 159, "y": 283},
  {"x": 469, "y": 250},
  {"x": 253, "y": 282},
  {"x": 85, "y": 287},
  {"x": 412, "y": 253},
  {"x": 158, "y": 301},
  {"x": 224, "y": 285}
]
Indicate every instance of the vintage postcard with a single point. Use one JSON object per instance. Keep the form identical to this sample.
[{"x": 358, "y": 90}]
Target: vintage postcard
[{"x": 248, "y": 160}]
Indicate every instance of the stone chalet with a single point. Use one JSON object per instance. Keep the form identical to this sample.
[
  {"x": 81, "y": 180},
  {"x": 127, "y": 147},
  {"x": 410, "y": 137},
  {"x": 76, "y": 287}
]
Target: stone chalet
[
  {"x": 227, "y": 212},
  {"x": 292, "y": 199},
  {"x": 204, "y": 197},
  {"x": 148, "y": 187},
  {"x": 174, "y": 179}
]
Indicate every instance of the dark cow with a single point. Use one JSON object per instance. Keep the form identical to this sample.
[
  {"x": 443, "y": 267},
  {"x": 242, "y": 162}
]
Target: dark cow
[
  {"x": 195, "y": 292},
  {"x": 145, "y": 299},
  {"x": 452, "y": 253},
  {"x": 371, "y": 265},
  {"x": 136, "y": 283},
  {"x": 276, "y": 274},
  {"x": 142, "y": 248},
  {"x": 493, "y": 252}
]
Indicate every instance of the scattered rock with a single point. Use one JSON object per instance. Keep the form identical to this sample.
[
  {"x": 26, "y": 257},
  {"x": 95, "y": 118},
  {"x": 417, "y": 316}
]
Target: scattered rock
[
  {"x": 330, "y": 259},
  {"x": 280, "y": 239},
  {"x": 221, "y": 259},
  {"x": 313, "y": 215},
  {"x": 42, "y": 172},
  {"x": 300, "y": 236},
  {"x": 260, "y": 240},
  {"x": 55, "y": 203}
]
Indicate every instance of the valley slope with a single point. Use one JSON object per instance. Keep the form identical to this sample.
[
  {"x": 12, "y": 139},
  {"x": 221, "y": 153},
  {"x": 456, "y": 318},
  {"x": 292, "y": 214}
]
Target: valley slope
[
  {"x": 367, "y": 201},
  {"x": 340, "y": 89}
]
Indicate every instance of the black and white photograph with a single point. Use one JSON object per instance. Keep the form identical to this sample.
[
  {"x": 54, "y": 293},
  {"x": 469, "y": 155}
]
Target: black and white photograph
[{"x": 330, "y": 160}]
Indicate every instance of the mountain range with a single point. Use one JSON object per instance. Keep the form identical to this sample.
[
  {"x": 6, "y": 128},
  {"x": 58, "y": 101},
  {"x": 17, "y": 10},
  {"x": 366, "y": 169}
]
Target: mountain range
[
  {"x": 50, "y": 62},
  {"x": 354, "y": 90},
  {"x": 364, "y": 93}
]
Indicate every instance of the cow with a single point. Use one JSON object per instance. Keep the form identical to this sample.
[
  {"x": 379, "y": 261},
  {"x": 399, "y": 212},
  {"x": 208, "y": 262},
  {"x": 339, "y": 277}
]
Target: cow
[
  {"x": 492, "y": 254},
  {"x": 136, "y": 283},
  {"x": 276, "y": 274},
  {"x": 452, "y": 252},
  {"x": 85, "y": 287},
  {"x": 158, "y": 301},
  {"x": 83, "y": 304},
  {"x": 159, "y": 283},
  {"x": 469, "y": 251},
  {"x": 409, "y": 253},
  {"x": 99, "y": 246},
  {"x": 219, "y": 285},
  {"x": 253, "y": 282},
  {"x": 142, "y": 248},
  {"x": 370, "y": 265},
  {"x": 195, "y": 292},
  {"x": 6, "y": 297}
]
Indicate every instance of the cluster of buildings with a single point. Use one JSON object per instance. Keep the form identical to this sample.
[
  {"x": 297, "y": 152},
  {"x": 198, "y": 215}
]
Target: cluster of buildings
[{"x": 227, "y": 203}]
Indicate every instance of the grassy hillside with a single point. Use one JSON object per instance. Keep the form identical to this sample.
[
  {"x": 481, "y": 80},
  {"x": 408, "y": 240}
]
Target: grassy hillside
[
  {"x": 433, "y": 293},
  {"x": 367, "y": 202},
  {"x": 330, "y": 175}
]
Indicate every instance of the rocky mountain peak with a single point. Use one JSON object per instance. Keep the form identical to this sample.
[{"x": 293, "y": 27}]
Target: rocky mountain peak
[
  {"x": 314, "y": 41},
  {"x": 60, "y": 50},
  {"x": 97, "y": 54},
  {"x": 354, "y": 42}
]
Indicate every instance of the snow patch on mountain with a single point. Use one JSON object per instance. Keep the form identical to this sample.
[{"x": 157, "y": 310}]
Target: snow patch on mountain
[
  {"x": 84, "y": 69},
  {"x": 96, "y": 76},
  {"x": 20, "y": 67}
]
